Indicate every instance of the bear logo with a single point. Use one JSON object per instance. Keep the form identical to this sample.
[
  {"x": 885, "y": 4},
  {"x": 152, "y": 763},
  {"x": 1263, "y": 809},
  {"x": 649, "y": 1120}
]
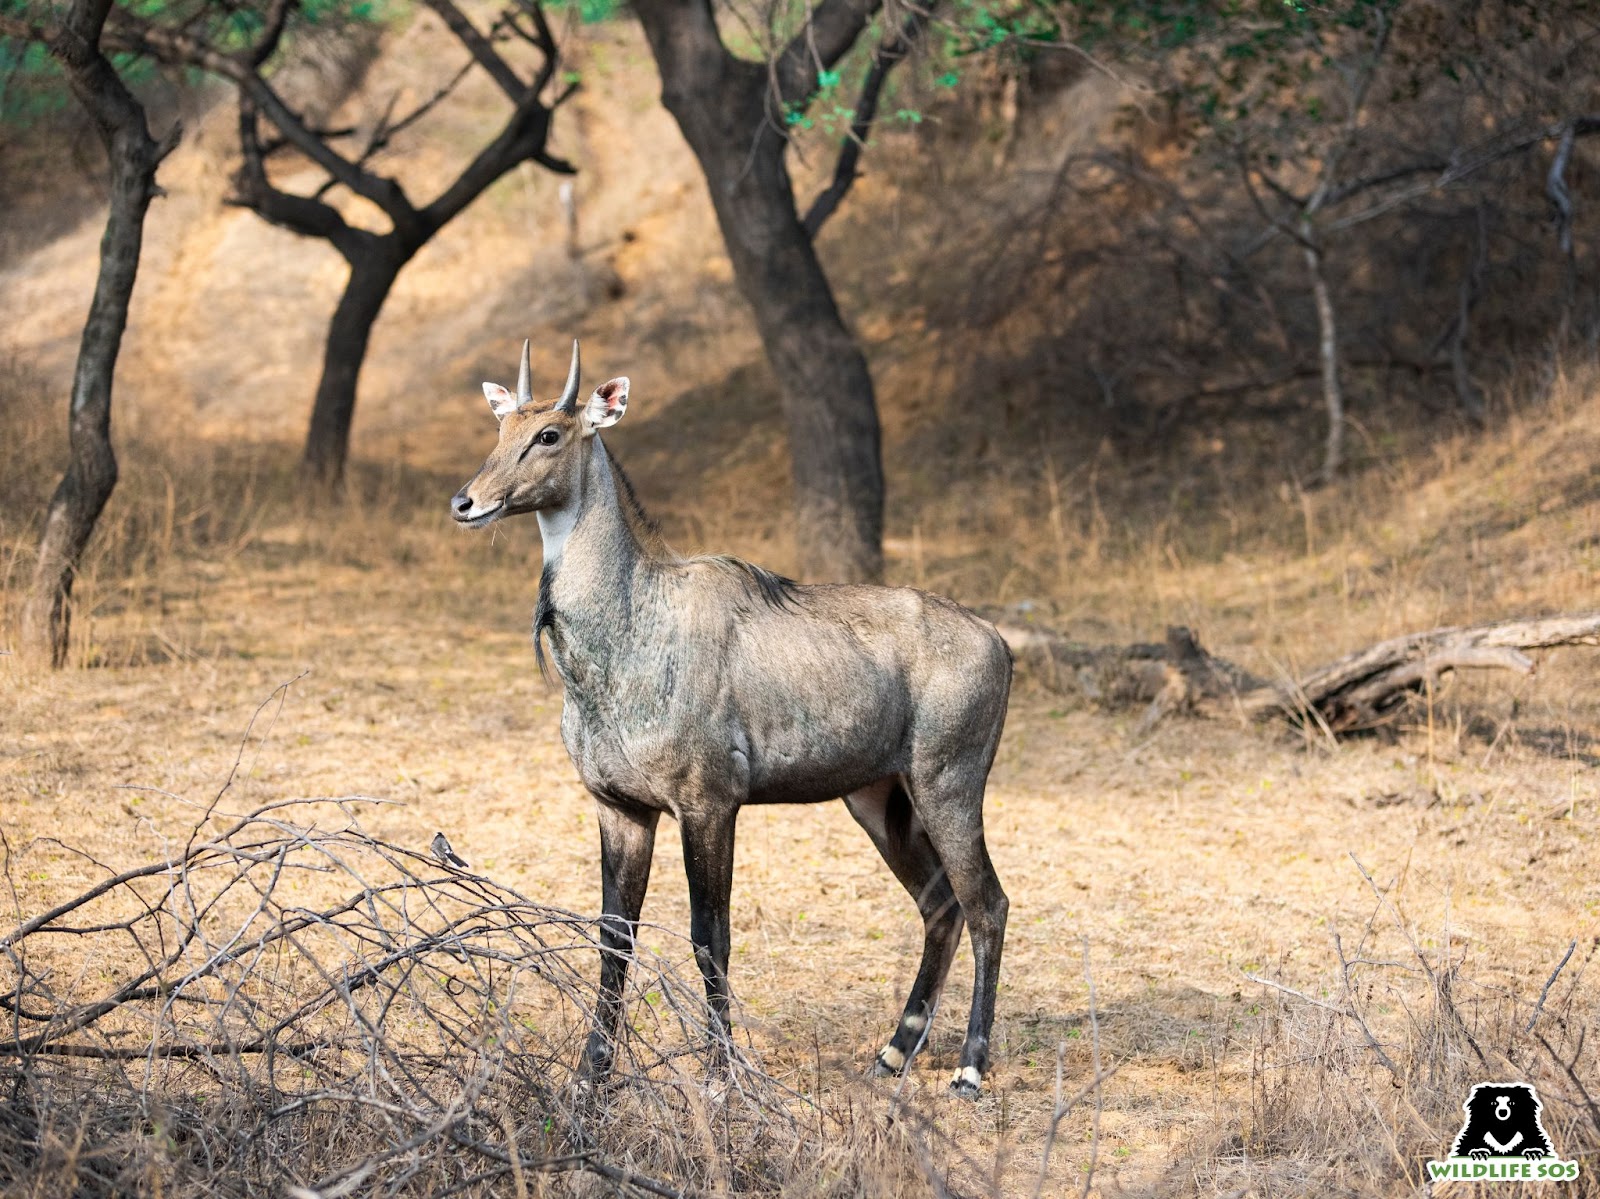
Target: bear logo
[{"x": 1502, "y": 1121}]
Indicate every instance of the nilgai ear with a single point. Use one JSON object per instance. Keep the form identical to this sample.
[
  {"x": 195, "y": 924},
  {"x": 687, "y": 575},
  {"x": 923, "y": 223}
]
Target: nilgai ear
[
  {"x": 607, "y": 404},
  {"x": 501, "y": 400}
]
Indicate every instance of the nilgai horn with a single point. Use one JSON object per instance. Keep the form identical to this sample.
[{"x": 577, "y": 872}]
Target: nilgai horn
[{"x": 695, "y": 686}]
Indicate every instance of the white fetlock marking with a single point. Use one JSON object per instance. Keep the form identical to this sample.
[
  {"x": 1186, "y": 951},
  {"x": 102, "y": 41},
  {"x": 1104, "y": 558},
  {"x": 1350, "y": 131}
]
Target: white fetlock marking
[
  {"x": 914, "y": 1023},
  {"x": 891, "y": 1057},
  {"x": 968, "y": 1075}
]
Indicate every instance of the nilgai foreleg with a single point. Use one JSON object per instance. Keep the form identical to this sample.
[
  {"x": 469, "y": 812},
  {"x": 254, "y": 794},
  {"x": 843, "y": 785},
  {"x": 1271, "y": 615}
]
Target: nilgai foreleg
[
  {"x": 627, "y": 841},
  {"x": 708, "y": 858}
]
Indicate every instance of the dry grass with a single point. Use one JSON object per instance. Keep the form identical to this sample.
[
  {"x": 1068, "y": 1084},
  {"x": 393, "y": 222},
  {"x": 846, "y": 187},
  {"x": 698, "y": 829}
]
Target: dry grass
[{"x": 1189, "y": 860}]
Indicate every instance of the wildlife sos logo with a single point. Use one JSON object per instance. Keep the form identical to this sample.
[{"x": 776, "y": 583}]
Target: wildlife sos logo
[{"x": 1502, "y": 1140}]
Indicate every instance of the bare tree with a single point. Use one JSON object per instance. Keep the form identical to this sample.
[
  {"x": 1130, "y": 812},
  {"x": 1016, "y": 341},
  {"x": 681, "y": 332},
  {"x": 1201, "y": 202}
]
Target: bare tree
[
  {"x": 375, "y": 258},
  {"x": 132, "y": 156},
  {"x": 733, "y": 112}
]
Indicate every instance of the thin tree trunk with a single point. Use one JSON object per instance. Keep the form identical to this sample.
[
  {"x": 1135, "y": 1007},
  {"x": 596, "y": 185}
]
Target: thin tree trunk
[
  {"x": 133, "y": 156},
  {"x": 372, "y": 276},
  {"x": 1328, "y": 350}
]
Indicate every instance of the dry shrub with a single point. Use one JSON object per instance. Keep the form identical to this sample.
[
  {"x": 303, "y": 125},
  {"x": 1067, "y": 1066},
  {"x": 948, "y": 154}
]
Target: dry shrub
[
  {"x": 1356, "y": 1085},
  {"x": 286, "y": 1004}
]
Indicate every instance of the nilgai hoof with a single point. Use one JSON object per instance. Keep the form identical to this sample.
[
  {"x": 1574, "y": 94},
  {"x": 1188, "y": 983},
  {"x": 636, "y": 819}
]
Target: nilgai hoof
[
  {"x": 967, "y": 1084},
  {"x": 889, "y": 1063},
  {"x": 594, "y": 1075}
]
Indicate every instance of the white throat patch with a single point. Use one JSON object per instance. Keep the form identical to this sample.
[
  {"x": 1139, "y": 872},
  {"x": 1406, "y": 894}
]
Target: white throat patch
[{"x": 555, "y": 527}]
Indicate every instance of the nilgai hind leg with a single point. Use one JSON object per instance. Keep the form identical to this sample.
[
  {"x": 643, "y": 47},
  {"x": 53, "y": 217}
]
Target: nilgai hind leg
[
  {"x": 947, "y": 798},
  {"x": 884, "y": 811}
]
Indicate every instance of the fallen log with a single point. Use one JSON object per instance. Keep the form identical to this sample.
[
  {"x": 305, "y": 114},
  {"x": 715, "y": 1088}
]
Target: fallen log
[{"x": 1362, "y": 690}]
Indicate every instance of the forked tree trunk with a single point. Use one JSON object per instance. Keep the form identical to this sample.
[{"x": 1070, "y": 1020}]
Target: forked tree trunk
[
  {"x": 132, "y": 156},
  {"x": 720, "y": 103},
  {"x": 375, "y": 259},
  {"x": 372, "y": 276}
]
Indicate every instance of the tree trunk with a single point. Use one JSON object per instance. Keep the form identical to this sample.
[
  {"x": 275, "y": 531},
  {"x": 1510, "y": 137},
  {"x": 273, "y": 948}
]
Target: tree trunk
[
  {"x": 1328, "y": 351},
  {"x": 719, "y": 103},
  {"x": 373, "y": 271},
  {"x": 834, "y": 439},
  {"x": 133, "y": 156}
]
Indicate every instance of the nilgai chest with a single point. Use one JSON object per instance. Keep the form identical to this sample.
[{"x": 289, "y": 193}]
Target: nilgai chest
[{"x": 639, "y": 734}]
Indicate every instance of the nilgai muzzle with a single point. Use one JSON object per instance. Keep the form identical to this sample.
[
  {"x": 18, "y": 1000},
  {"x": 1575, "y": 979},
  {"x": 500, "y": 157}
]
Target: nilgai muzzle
[{"x": 695, "y": 686}]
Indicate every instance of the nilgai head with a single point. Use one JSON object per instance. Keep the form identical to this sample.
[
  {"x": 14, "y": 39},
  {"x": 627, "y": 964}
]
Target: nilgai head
[{"x": 538, "y": 462}]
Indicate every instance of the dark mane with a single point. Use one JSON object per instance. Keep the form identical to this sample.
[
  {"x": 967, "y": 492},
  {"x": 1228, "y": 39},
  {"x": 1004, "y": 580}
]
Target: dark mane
[
  {"x": 777, "y": 591},
  {"x": 642, "y": 521}
]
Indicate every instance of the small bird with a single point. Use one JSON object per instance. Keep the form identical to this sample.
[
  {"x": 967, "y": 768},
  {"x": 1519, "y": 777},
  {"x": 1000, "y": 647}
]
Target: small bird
[{"x": 442, "y": 851}]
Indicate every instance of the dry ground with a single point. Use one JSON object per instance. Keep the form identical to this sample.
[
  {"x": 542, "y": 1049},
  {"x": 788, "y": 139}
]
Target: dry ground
[{"x": 1185, "y": 861}]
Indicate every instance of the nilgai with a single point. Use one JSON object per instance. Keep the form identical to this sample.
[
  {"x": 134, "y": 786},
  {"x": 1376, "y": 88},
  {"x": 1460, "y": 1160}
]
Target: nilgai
[{"x": 695, "y": 686}]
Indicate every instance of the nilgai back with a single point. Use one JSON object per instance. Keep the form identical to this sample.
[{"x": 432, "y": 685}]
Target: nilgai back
[{"x": 696, "y": 685}]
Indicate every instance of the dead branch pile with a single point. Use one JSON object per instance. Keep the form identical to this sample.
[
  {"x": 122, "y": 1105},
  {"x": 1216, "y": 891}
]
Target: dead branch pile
[
  {"x": 1360, "y": 691},
  {"x": 281, "y": 1008}
]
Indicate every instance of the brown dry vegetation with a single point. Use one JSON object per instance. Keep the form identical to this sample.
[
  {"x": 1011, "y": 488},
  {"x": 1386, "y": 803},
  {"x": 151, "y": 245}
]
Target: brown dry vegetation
[{"x": 1189, "y": 863}]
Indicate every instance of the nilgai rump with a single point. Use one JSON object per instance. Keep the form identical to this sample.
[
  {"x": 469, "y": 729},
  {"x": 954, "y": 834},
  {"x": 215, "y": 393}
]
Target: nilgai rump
[{"x": 697, "y": 685}]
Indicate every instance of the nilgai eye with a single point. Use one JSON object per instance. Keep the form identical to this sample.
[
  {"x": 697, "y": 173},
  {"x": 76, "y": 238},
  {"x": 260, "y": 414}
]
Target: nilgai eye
[{"x": 549, "y": 437}]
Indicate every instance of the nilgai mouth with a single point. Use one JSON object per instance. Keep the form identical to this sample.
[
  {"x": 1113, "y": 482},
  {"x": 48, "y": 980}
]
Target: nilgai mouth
[{"x": 476, "y": 520}]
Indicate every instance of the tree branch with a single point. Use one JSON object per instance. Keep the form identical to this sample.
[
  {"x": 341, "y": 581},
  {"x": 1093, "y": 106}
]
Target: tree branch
[
  {"x": 308, "y": 216},
  {"x": 1460, "y": 168},
  {"x": 272, "y": 34},
  {"x": 830, "y": 30},
  {"x": 135, "y": 35},
  {"x": 1555, "y": 187},
  {"x": 523, "y": 136},
  {"x": 890, "y": 52},
  {"x": 1358, "y": 100},
  {"x": 542, "y": 38},
  {"x": 1355, "y": 187},
  {"x": 481, "y": 49}
]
